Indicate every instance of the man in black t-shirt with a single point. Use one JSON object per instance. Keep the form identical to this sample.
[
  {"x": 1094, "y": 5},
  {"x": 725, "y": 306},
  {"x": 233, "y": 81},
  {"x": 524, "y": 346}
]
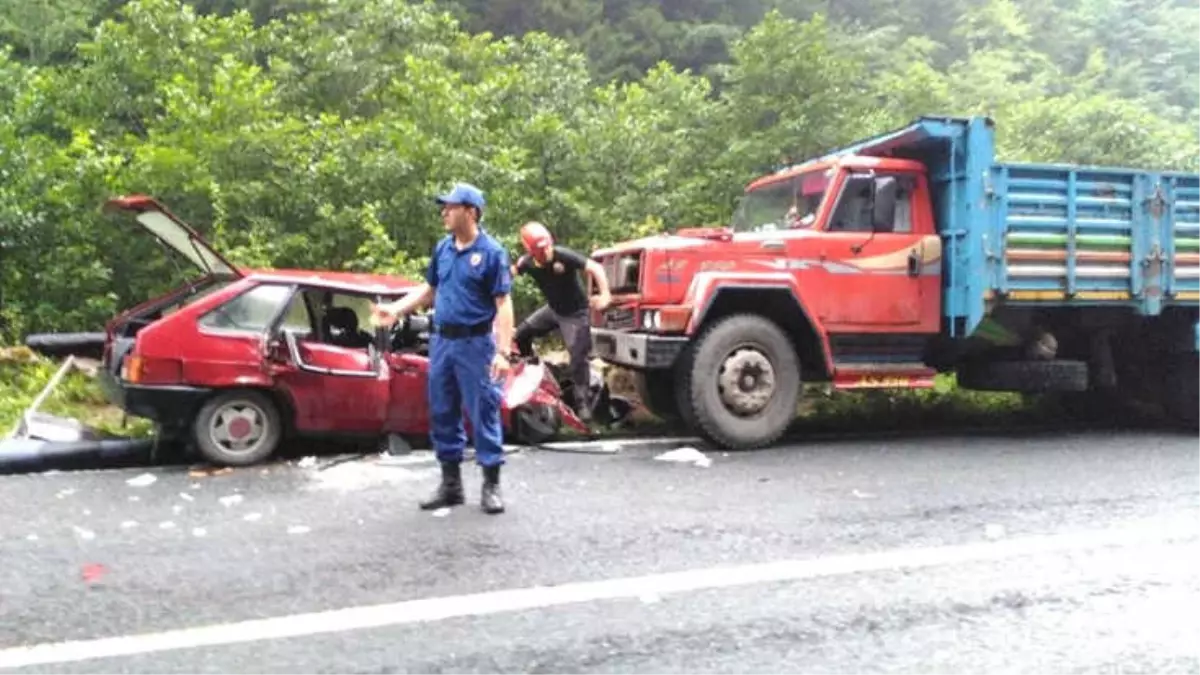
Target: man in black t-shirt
[{"x": 555, "y": 269}]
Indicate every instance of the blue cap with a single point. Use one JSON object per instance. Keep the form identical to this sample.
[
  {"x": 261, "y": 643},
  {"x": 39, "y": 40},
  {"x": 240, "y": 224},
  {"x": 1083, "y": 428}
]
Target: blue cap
[{"x": 463, "y": 193}]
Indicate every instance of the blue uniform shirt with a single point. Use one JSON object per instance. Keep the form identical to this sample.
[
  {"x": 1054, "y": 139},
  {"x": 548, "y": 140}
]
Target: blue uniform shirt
[{"x": 467, "y": 282}]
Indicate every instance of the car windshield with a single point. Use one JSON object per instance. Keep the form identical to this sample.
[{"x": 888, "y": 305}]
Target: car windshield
[{"x": 782, "y": 205}]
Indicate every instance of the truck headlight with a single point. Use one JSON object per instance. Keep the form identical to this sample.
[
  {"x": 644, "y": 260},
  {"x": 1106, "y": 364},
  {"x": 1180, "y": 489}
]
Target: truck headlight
[{"x": 651, "y": 320}]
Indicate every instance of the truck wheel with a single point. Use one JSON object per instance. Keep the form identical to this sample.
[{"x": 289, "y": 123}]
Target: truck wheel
[
  {"x": 1182, "y": 390},
  {"x": 656, "y": 390},
  {"x": 238, "y": 428},
  {"x": 743, "y": 384}
]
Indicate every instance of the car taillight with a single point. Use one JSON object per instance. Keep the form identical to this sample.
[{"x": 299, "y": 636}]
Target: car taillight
[{"x": 142, "y": 370}]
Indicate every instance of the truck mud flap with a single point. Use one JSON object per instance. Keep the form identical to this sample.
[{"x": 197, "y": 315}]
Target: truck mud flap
[{"x": 1025, "y": 376}]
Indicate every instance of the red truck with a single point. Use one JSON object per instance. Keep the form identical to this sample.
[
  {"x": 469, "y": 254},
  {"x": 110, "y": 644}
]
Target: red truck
[{"x": 908, "y": 254}]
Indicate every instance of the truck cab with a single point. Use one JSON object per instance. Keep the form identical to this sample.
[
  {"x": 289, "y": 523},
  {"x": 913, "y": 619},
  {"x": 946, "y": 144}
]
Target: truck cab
[{"x": 844, "y": 246}]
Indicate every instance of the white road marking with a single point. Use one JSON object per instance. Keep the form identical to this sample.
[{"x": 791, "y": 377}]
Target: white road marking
[{"x": 644, "y": 588}]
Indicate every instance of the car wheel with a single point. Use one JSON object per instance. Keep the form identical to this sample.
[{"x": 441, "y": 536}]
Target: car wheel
[
  {"x": 535, "y": 424},
  {"x": 743, "y": 382},
  {"x": 238, "y": 428}
]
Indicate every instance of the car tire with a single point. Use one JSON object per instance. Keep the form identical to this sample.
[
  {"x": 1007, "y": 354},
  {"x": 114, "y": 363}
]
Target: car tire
[
  {"x": 756, "y": 352},
  {"x": 234, "y": 415},
  {"x": 535, "y": 424}
]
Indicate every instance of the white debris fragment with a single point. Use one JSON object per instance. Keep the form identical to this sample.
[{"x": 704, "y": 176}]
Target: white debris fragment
[
  {"x": 993, "y": 531},
  {"x": 194, "y": 486},
  {"x": 355, "y": 476},
  {"x": 251, "y": 517},
  {"x": 85, "y": 534},
  {"x": 686, "y": 455},
  {"x": 87, "y": 512},
  {"x": 134, "y": 498},
  {"x": 31, "y": 537},
  {"x": 441, "y": 513},
  {"x": 307, "y": 462},
  {"x": 650, "y": 598},
  {"x": 186, "y": 497},
  {"x": 862, "y": 495},
  {"x": 610, "y": 447},
  {"x": 142, "y": 480},
  {"x": 199, "y": 532},
  {"x": 128, "y": 524},
  {"x": 177, "y": 509},
  {"x": 65, "y": 493},
  {"x": 166, "y": 525},
  {"x": 230, "y": 500},
  {"x": 299, "y": 529}
]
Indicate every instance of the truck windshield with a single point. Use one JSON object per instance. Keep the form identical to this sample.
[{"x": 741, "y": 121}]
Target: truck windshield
[{"x": 783, "y": 205}]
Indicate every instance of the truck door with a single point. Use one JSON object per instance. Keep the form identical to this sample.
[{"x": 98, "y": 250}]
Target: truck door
[{"x": 882, "y": 264}]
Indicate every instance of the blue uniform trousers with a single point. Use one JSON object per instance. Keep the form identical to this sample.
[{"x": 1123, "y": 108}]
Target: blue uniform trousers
[{"x": 460, "y": 374}]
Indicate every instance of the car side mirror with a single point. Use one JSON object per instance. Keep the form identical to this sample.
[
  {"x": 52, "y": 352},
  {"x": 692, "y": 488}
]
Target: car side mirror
[{"x": 883, "y": 207}]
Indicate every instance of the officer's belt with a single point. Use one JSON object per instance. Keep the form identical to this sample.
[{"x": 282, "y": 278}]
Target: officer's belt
[{"x": 456, "y": 331}]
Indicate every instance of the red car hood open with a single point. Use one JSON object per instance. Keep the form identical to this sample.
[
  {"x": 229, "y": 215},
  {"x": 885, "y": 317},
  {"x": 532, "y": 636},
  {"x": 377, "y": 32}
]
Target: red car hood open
[{"x": 173, "y": 232}]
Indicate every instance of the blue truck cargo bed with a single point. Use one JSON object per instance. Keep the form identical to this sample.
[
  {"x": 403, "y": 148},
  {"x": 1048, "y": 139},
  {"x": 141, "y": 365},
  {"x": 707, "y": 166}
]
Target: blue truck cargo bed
[{"x": 1022, "y": 234}]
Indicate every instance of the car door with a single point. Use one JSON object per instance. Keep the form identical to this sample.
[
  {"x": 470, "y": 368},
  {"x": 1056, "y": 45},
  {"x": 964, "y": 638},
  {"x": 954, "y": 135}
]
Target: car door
[
  {"x": 409, "y": 411},
  {"x": 334, "y": 387}
]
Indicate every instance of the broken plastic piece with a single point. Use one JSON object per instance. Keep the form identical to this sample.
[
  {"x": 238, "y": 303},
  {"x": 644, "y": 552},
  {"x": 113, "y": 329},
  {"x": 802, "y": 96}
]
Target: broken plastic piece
[
  {"x": 142, "y": 480},
  {"x": 686, "y": 455},
  {"x": 92, "y": 572}
]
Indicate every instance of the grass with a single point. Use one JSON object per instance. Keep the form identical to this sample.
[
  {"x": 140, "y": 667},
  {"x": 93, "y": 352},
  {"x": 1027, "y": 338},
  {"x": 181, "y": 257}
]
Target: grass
[{"x": 23, "y": 374}]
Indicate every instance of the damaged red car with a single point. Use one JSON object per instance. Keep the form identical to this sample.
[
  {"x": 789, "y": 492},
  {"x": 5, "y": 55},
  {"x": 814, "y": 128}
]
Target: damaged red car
[{"x": 236, "y": 361}]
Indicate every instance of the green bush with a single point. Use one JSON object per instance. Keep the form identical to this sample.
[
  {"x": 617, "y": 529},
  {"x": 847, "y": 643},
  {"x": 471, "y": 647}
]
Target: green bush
[{"x": 23, "y": 375}]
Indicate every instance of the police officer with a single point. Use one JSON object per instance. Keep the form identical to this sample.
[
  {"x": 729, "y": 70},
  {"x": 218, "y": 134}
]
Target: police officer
[
  {"x": 469, "y": 280},
  {"x": 556, "y": 270}
]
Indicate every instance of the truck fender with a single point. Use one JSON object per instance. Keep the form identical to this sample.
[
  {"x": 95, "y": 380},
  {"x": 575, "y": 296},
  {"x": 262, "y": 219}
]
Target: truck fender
[{"x": 707, "y": 288}]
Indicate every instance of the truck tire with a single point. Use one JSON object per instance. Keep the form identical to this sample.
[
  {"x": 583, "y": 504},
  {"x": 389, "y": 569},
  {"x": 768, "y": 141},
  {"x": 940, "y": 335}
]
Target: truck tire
[
  {"x": 1182, "y": 390},
  {"x": 743, "y": 383},
  {"x": 656, "y": 390},
  {"x": 1025, "y": 376},
  {"x": 238, "y": 418}
]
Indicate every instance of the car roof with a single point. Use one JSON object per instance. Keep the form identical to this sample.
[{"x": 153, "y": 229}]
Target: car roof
[{"x": 348, "y": 281}]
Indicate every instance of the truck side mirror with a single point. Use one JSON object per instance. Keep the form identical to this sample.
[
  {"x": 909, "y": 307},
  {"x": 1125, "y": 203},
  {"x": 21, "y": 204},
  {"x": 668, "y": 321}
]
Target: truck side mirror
[{"x": 883, "y": 211}]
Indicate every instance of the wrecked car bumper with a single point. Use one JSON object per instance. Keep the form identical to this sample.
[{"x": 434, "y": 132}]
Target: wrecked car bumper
[{"x": 165, "y": 405}]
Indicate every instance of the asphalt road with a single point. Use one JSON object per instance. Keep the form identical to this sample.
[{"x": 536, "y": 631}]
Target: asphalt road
[{"x": 1048, "y": 552}]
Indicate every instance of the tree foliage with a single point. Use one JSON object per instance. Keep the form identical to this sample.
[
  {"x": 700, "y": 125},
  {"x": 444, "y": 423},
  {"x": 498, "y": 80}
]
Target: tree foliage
[{"x": 312, "y": 133}]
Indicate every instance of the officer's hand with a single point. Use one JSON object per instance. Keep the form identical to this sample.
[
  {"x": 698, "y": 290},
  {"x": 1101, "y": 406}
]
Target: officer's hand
[
  {"x": 500, "y": 366},
  {"x": 383, "y": 317},
  {"x": 601, "y": 302}
]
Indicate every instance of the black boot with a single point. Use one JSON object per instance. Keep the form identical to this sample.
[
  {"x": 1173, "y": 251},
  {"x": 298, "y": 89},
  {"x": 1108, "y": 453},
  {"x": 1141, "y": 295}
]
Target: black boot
[
  {"x": 450, "y": 492},
  {"x": 490, "y": 500}
]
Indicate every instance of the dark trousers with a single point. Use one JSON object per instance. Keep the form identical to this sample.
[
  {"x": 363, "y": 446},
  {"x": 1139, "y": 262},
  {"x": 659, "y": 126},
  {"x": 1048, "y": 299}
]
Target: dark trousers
[{"x": 576, "y": 332}]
